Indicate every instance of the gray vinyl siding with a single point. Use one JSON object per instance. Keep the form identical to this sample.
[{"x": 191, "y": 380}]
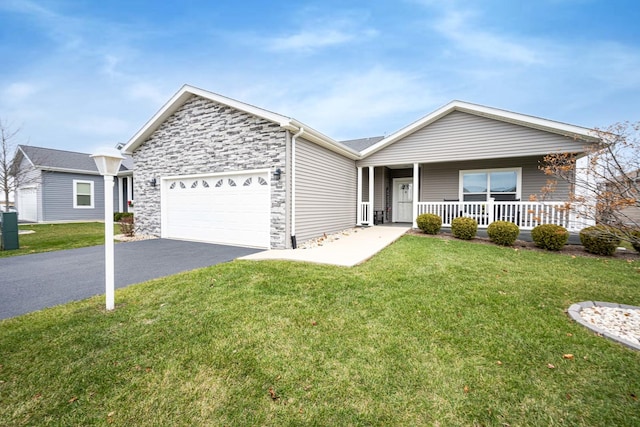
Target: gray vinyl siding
[
  {"x": 440, "y": 180},
  {"x": 632, "y": 214},
  {"x": 462, "y": 136},
  {"x": 325, "y": 191},
  {"x": 379, "y": 189},
  {"x": 57, "y": 197}
]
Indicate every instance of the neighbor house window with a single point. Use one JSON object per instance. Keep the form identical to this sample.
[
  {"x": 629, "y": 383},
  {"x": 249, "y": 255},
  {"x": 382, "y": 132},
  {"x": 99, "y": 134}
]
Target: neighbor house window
[
  {"x": 501, "y": 184},
  {"x": 82, "y": 194}
]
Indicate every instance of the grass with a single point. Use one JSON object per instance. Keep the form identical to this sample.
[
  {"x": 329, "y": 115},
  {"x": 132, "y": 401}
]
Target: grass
[
  {"x": 54, "y": 237},
  {"x": 428, "y": 332}
]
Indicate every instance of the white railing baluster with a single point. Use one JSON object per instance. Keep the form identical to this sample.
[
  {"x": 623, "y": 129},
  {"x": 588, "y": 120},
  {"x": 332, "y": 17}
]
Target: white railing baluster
[
  {"x": 364, "y": 213},
  {"x": 526, "y": 215}
]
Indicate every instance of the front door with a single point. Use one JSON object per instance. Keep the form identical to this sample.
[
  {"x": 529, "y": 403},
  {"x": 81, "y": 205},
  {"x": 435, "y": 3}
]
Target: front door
[{"x": 402, "y": 200}]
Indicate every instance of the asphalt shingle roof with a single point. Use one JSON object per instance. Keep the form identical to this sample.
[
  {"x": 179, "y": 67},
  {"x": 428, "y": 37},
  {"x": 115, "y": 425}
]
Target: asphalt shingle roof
[
  {"x": 49, "y": 158},
  {"x": 362, "y": 143}
]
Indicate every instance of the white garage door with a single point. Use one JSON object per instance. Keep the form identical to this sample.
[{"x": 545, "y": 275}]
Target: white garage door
[
  {"x": 28, "y": 204},
  {"x": 232, "y": 209}
]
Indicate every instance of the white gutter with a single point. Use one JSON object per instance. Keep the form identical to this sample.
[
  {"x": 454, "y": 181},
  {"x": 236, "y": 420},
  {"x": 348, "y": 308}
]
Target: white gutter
[{"x": 294, "y": 244}]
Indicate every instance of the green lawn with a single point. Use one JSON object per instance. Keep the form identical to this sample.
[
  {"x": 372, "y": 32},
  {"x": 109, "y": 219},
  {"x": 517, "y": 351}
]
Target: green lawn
[
  {"x": 55, "y": 237},
  {"x": 429, "y": 332}
]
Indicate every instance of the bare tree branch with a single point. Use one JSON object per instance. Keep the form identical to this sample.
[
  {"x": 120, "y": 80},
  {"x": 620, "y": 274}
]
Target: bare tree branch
[
  {"x": 13, "y": 174},
  {"x": 605, "y": 184},
  {"x": 8, "y": 146}
]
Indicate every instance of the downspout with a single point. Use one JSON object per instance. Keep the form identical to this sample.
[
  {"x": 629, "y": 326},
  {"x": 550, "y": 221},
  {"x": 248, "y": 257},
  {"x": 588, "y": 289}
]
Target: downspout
[{"x": 294, "y": 243}]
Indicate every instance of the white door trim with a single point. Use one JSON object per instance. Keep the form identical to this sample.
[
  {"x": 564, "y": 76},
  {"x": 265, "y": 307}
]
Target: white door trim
[{"x": 396, "y": 183}]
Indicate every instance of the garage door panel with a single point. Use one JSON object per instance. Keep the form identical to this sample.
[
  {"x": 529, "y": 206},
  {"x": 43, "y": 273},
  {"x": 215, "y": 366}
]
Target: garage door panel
[
  {"x": 28, "y": 204},
  {"x": 232, "y": 210}
]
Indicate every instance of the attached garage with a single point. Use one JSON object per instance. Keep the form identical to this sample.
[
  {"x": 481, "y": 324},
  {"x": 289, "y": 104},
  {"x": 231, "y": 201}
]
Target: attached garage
[
  {"x": 28, "y": 204},
  {"x": 227, "y": 208}
]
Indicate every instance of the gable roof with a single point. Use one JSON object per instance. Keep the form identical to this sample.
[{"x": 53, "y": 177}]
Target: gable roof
[
  {"x": 187, "y": 91},
  {"x": 362, "y": 143},
  {"x": 489, "y": 112},
  {"x": 65, "y": 161}
]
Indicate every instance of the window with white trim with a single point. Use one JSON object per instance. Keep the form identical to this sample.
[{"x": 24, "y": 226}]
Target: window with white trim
[
  {"x": 82, "y": 194},
  {"x": 501, "y": 184}
]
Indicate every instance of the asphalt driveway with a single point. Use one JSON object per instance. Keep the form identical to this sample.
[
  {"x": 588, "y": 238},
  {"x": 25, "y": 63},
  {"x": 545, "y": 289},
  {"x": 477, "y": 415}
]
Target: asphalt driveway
[{"x": 33, "y": 282}]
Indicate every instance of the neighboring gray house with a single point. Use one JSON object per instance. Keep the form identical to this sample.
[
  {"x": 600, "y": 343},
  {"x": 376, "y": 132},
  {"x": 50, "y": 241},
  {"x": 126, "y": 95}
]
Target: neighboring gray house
[
  {"x": 214, "y": 169},
  {"x": 57, "y": 186}
]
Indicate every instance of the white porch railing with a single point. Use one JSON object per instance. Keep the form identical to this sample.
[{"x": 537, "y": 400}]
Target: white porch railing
[
  {"x": 364, "y": 214},
  {"x": 525, "y": 215}
]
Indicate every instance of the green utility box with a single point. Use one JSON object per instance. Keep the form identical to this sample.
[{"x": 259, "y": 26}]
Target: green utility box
[{"x": 9, "y": 228}]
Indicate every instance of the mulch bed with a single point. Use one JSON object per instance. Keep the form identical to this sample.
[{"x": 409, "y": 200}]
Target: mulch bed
[{"x": 571, "y": 250}]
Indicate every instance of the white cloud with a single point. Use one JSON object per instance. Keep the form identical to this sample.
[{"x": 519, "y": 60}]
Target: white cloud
[
  {"x": 142, "y": 91},
  {"x": 351, "y": 105},
  {"x": 60, "y": 28},
  {"x": 308, "y": 40},
  {"x": 99, "y": 126},
  {"x": 19, "y": 91},
  {"x": 614, "y": 64},
  {"x": 457, "y": 26},
  {"x": 322, "y": 32}
]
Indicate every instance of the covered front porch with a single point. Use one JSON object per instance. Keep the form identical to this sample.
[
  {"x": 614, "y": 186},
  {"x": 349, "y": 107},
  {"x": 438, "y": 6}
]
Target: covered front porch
[{"x": 399, "y": 193}]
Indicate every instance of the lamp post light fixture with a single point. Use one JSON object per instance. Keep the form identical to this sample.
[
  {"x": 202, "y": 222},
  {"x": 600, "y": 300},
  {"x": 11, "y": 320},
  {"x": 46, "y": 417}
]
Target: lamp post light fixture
[{"x": 108, "y": 163}]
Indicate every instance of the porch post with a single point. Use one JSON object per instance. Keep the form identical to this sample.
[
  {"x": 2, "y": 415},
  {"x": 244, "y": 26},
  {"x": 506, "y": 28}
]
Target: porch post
[
  {"x": 120, "y": 194},
  {"x": 370, "y": 216},
  {"x": 359, "y": 197},
  {"x": 416, "y": 175},
  {"x": 130, "y": 187}
]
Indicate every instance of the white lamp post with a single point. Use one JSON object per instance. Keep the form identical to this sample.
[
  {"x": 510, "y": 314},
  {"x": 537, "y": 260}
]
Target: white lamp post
[{"x": 108, "y": 163}]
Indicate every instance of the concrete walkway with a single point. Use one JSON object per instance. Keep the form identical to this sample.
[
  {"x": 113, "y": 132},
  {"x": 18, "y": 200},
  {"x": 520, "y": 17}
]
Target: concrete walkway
[{"x": 348, "y": 251}]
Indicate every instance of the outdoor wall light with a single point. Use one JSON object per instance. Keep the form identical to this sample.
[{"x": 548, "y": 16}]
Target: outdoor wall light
[
  {"x": 277, "y": 174},
  {"x": 153, "y": 182}
]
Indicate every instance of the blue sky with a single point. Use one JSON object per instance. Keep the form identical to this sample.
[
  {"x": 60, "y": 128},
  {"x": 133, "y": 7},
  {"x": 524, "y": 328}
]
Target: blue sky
[{"x": 83, "y": 74}]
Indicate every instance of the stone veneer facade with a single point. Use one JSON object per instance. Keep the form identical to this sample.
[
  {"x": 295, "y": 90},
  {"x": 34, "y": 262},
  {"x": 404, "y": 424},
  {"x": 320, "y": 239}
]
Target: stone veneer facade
[{"x": 206, "y": 137}]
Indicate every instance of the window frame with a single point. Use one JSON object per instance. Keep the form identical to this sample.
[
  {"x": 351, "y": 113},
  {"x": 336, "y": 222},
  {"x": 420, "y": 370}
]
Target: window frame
[
  {"x": 75, "y": 194},
  {"x": 488, "y": 172}
]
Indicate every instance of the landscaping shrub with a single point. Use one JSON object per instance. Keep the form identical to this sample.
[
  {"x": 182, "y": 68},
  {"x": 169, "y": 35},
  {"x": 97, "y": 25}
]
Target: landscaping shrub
[
  {"x": 599, "y": 240},
  {"x": 429, "y": 223},
  {"x": 636, "y": 244},
  {"x": 126, "y": 224},
  {"x": 503, "y": 233},
  {"x": 551, "y": 237},
  {"x": 117, "y": 216},
  {"x": 464, "y": 227}
]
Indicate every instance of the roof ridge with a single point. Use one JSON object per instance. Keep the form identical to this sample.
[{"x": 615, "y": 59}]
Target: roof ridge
[{"x": 53, "y": 149}]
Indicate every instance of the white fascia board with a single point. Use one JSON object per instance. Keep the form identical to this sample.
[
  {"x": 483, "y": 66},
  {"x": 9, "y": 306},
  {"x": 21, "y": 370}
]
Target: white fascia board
[
  {"x": 489, "y": 112},
  {"x": 65, "y": 170},
  {"x": 80, "y": 171},
  {"x": 167, "y": 109},
  {"x": 322, "y": 140},
  {"x": 407, "y": 130},
  {"x": 180, "y": 98},
  {"x": 25, "y": 156},
  {"x": 552, "y": 126},
  {"x": 285, "y": 122}
]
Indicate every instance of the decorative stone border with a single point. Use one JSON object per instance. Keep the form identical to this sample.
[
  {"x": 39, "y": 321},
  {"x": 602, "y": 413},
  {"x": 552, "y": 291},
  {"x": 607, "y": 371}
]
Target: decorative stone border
[{"x": 574, "y": 313}]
